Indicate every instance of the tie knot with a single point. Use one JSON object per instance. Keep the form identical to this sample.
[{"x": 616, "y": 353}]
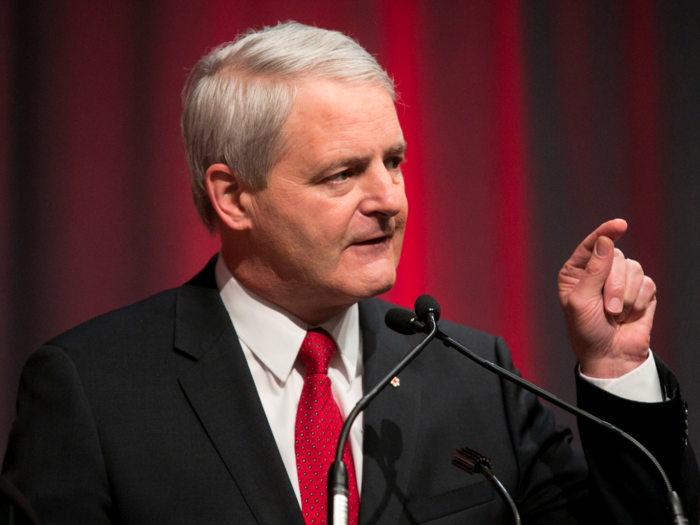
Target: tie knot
[{"x": 316, "y": 351}]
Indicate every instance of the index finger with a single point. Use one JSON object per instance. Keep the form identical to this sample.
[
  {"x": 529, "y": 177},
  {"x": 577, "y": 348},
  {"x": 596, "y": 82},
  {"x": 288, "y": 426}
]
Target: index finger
[{"x": 613, "y": 229}]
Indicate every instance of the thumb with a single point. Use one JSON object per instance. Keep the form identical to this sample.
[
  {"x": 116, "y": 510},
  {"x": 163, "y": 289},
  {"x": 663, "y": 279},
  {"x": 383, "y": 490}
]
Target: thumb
[{"x": 597, "y": 269}]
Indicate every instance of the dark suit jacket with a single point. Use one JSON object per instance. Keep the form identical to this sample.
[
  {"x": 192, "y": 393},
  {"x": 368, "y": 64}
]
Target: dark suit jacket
[{"x": 149, "y": 415}]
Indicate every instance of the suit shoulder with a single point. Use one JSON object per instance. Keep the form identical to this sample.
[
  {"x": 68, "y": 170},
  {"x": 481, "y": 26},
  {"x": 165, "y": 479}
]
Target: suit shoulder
[
  {"x": 472, "y": 338},
  {"x": 134, "y": 321}
]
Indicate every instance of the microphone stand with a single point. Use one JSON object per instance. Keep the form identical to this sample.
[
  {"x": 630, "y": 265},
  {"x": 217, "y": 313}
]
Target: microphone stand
[{"x": 338, "y": 474}]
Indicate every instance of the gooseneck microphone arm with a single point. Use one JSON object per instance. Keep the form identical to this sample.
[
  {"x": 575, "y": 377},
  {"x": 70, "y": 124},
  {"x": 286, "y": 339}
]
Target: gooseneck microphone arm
[
  {"x": 407, "y": 322},
  {"x": 496, "y": 483},
  {"x": 473, "y": 462},
  {"x": 337, "y": 474}
]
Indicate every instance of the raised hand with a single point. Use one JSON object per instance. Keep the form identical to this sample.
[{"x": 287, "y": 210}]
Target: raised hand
[{"x": 609, "y": 304}]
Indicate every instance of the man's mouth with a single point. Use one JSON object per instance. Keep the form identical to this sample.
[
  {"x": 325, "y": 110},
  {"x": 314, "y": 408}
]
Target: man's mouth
[
  {"x": 370, "y": 242},
  {"x": 374, "y": 241}
]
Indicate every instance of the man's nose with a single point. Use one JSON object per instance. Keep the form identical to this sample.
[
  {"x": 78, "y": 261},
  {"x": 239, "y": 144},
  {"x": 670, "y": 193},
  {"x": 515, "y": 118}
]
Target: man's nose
[{"x": 384, "y": 191}]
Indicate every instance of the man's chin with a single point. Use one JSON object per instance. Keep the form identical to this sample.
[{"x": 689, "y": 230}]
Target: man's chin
[
  {"x": 384, "y": 289},
  {"x": 375, "y": 288},
  {"x": 363, "y": 281}
]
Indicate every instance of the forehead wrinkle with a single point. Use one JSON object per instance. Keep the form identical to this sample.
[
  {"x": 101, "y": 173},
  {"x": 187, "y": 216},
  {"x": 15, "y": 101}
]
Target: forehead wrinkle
[{"x": 323, "y": 137}]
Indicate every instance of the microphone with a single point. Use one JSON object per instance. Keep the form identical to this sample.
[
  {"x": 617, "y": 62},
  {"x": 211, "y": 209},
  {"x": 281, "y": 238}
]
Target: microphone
[
  {"x": 403, "y": 321},
  {"x": 407, "y": 322},
  {"x": 337, "y": 490},
  {"x": 425, "y": 305},
  {"x": 471, "y": 461}
]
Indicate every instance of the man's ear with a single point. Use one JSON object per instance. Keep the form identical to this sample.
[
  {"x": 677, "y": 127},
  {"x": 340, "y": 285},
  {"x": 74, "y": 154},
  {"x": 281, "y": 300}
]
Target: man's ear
[{"x": 225, "y": 189}]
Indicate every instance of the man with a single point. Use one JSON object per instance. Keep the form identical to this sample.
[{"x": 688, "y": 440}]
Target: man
[{"x": 199, "y": 405}]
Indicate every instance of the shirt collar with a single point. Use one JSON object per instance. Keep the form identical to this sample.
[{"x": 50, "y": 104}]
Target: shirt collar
[{"x": 274, "y": 335}]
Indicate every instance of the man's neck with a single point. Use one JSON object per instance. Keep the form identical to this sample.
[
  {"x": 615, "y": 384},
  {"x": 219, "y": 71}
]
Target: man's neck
[{"x": 308, "y": 307}]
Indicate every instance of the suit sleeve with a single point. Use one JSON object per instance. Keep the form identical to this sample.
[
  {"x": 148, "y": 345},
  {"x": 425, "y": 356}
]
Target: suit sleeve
[
  {"x": 623, "y": 481},
  {"x": 618, "y": 485},
  {"x": 53, "y": 454}
]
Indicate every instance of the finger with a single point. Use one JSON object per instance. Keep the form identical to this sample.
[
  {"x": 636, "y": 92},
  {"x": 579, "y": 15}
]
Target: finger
[
  {"x": 614, "y": 289},
  {"x": 633, "y": 285},
  {"x": 597, "y": 270},
  {"x": 613, "y": 229},
  {"x": 645, "y": 317},
  {"x": 645, "y": 300}
]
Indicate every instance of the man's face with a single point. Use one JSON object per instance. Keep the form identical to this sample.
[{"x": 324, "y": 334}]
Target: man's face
[{"x": 329, "y": 225}]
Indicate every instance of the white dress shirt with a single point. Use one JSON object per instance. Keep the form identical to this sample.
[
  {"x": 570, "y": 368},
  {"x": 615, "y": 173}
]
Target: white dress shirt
[
  {"x": 271, "y": 338},
  {"x": 641, "y": 384}
]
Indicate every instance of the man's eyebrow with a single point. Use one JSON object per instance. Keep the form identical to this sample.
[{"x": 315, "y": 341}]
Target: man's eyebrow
[
  {"x": 345, "y": 162},
  {"x": 398, "y": 149}
]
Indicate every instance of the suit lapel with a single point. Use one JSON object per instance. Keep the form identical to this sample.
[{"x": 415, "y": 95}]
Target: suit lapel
[
  {"x": 390, "y": 422},
  {"x": 222, "y": 393}
]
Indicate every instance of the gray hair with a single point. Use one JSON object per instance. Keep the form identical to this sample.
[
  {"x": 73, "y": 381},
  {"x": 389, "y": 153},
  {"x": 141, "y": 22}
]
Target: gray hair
[{"x": 239, "y": 96}]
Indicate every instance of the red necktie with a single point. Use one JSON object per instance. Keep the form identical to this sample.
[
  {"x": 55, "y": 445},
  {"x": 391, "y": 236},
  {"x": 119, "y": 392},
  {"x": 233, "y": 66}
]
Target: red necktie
[{"x": 316, "y": 433}]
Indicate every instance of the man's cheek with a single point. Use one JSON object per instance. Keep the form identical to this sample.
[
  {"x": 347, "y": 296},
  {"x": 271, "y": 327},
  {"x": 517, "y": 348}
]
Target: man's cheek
[{"x": 398, "y": 243}]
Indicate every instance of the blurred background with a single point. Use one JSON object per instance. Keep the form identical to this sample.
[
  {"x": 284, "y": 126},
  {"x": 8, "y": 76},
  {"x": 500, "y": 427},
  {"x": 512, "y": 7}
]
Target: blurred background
[{"x": 528, "y": 122}]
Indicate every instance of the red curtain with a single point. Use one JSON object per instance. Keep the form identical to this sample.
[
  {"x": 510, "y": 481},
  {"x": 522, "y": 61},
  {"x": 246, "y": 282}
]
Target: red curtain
[{"x": 528, "y": 124}]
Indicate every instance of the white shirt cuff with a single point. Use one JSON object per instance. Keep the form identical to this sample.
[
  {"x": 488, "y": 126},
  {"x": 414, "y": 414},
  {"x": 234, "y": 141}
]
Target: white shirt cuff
[{"x": 641, "y": 384}]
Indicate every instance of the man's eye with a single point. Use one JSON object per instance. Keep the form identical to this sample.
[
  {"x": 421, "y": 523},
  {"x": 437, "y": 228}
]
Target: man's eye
[
  {"x": 339, "y": 177},
  {"x": 393, "y": 163}
]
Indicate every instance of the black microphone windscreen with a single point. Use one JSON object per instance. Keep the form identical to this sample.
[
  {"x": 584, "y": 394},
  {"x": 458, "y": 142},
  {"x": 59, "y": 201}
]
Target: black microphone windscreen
[
  {"x": 400, "y": 320},
  {"x": 427, "y": 303}
]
